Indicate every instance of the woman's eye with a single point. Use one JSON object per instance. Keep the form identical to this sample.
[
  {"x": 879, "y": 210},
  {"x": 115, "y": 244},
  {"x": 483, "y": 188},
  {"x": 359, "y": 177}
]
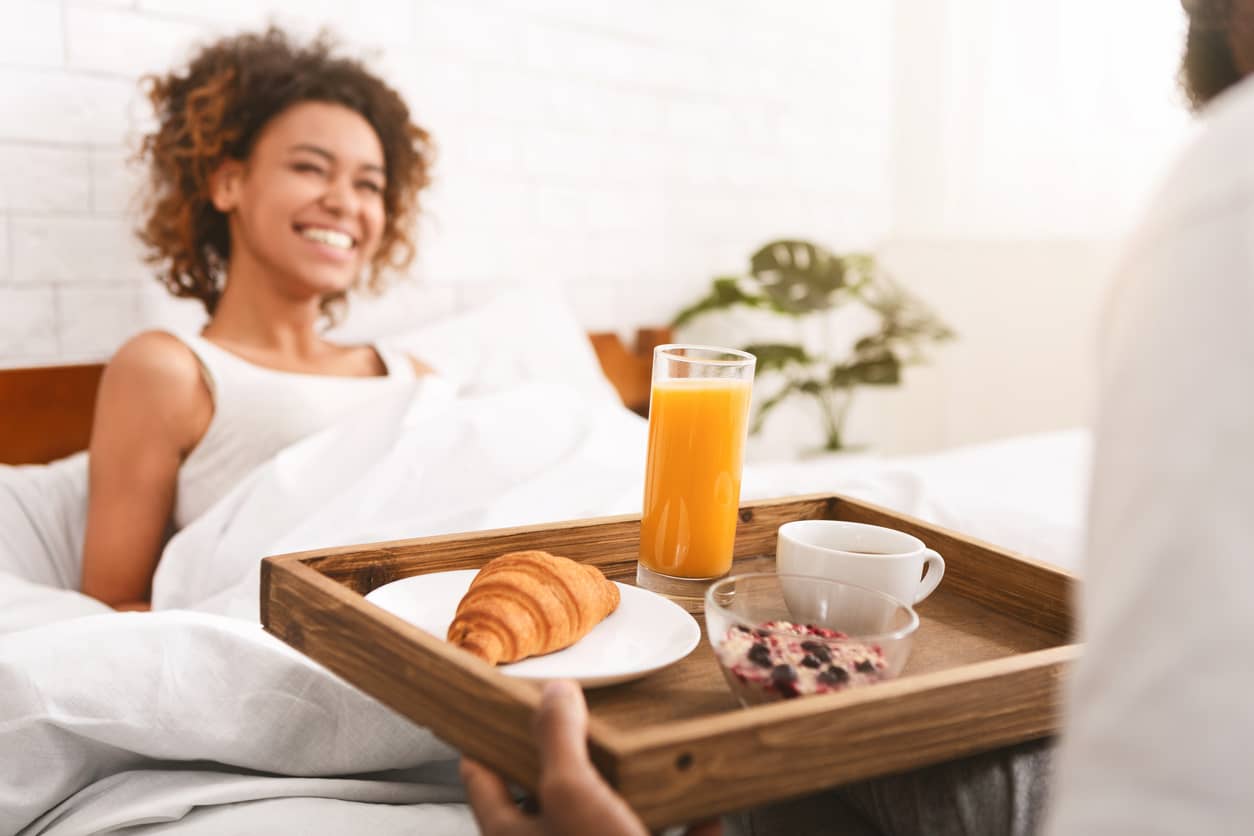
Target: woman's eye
[
  {"x": 308, "y": 168},
  {"x": 370, "y": 186}
]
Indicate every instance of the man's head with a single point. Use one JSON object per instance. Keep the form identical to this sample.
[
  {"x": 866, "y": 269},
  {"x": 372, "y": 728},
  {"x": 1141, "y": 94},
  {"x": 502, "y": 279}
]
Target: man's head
[{"x": 1219, "y": 48}]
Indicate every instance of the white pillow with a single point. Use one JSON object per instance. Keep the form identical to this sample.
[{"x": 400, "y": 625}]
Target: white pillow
[
  {"x": 43, "y": 512},
  {"x": 520, "y": 336}
]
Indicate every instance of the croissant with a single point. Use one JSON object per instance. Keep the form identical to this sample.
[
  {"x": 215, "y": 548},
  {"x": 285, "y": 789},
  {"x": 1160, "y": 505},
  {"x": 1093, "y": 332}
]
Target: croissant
[{"x": 529, "y": 603}]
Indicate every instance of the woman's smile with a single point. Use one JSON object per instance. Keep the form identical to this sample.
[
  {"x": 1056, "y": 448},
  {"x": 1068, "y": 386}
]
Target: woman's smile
[{"x": 331, "y": 243}]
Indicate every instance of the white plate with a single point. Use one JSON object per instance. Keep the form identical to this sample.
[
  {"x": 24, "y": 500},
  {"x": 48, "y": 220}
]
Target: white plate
[{"x": 645, "y": 634}]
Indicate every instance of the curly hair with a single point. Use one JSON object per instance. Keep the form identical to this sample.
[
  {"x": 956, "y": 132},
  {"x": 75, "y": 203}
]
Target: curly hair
[{"x": 215, "y": 111}]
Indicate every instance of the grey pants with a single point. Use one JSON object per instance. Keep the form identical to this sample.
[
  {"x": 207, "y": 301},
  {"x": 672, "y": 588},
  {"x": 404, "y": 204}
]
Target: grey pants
[{"x": 999, "y": 793}]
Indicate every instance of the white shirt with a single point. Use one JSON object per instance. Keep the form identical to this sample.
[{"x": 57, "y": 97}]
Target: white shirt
[{"x": 1159, "y": 736}]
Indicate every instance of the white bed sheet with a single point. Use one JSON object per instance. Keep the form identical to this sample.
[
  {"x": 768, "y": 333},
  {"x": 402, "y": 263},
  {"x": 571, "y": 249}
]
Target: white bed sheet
[{"x": 1028, "y": 494}]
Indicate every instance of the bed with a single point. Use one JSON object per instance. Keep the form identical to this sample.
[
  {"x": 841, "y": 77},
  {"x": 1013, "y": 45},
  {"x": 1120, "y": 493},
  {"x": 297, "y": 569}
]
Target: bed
[
  {"x": 47, "y": 410},
  {"x": 193, "y": 720}
]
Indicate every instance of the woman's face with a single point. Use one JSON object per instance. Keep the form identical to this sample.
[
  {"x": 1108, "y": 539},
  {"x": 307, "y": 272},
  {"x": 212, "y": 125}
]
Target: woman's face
[{"x": 307, "y": 204}]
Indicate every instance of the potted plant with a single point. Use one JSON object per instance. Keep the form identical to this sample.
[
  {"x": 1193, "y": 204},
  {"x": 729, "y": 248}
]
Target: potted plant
[{"x": 807, "y": 283}]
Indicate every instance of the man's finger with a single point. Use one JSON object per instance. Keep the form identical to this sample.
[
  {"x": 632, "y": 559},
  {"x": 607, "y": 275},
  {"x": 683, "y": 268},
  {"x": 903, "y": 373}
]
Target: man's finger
[
  {"x": 562, "y": 726},
  {"x": 490, "y": 800}
]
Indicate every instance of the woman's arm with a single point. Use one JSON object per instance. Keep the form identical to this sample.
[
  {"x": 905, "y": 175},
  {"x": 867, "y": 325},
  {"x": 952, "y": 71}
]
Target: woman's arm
[{"x": 151, "y": 410}]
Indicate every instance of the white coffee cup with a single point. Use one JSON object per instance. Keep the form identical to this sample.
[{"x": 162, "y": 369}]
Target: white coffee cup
[{"x": 866, "y": 555}]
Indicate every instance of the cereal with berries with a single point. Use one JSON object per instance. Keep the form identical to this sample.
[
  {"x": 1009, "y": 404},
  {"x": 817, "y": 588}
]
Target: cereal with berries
[{"x": 782, "y": 660}]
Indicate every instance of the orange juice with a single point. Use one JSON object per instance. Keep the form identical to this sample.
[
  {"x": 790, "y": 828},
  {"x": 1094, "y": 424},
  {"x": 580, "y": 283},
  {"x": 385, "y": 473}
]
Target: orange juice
[{"x": 692, "y": 483}]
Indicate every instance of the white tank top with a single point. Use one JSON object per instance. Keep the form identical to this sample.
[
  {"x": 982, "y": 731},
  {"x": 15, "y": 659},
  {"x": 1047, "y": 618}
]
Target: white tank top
[{"x": 258, "y": 411}]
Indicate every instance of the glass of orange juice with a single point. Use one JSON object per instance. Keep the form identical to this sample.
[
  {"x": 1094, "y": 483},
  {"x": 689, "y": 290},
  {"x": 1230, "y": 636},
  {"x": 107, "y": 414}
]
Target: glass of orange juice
[{"x": 698, "y": 416}]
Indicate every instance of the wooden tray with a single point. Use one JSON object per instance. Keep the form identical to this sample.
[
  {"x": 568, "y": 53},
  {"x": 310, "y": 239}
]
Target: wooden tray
[{"x": 985, "y": 670}]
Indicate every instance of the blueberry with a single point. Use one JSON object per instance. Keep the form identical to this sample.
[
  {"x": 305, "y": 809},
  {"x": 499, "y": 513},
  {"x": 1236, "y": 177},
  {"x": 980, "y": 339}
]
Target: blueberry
[
  {"x": 783, "y": 673},
  {"x": 784, "y": 678},
  {"x": 760, "y": 633},
  {"x": 810, "y": 662},
  {"x": 834, "y": 675},
  {"x": 865, "y": 666},
  {"x": 760, "y": 655}
]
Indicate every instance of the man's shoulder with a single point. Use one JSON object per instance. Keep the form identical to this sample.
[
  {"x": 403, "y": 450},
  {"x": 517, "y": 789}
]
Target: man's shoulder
[{"x": 1215, "y": 172}]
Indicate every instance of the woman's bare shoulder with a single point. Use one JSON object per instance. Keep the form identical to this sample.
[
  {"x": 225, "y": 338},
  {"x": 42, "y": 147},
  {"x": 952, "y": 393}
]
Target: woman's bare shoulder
[
  {"x": 155, "y": 358},
  {"x": 155, "y": 375}
]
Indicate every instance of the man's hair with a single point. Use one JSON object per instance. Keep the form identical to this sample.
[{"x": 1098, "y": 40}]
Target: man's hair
[
  {"x": 215, "y": 110},
  {"x": 1208, "y": 67}
]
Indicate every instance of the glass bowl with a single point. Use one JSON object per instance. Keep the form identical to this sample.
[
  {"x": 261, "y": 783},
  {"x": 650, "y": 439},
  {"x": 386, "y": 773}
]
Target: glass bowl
[{"x": 783, "y": 636}]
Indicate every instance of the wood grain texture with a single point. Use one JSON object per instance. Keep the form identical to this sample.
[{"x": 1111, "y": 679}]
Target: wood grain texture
[
  {"x": 985, "y": 671},
  {"x": 46, "y": 411},
  {"x": 743, "y": 758}
]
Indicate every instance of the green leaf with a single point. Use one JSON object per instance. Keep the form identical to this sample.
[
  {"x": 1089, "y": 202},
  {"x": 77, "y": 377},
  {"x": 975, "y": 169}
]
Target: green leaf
[
  {"x": 778, "y": 356},
  {"x": 905, "y": 317},
  {"x": 872, "y": 344},
  {"x": 725, "y": 292},
  {"x": 811, "y": 387},
  {"x": 797, "y": 276},
  {"x": 881, "y": 371},
  {"x": 862, "y": 264},
  {"x": 841, "y": 376}
]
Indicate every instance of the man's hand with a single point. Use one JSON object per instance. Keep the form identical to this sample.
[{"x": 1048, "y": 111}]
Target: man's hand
[{"x": 574, "y": 800}]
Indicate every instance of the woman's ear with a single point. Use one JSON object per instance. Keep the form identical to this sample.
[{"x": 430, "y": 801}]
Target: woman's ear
[{"x": 225, "y": 184}]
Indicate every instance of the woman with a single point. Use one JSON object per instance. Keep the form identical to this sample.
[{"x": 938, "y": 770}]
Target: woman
[{"x": 280, "y": 178}]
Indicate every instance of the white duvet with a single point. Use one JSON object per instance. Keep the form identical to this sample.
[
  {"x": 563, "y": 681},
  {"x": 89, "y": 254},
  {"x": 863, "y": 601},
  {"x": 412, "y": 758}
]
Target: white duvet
[{"x": 192, "y": 717}]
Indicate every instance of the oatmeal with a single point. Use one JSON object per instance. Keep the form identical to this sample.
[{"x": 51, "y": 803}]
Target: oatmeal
[{"x": 781, "y": 660}]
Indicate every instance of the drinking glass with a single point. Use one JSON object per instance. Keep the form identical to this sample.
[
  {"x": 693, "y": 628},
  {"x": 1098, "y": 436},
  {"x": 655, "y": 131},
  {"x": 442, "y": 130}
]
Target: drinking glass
[{"x": 698, "y": 417}]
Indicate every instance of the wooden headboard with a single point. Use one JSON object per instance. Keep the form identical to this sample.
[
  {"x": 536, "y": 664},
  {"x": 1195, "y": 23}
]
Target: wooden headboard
[{"x": 46, "y": 411}]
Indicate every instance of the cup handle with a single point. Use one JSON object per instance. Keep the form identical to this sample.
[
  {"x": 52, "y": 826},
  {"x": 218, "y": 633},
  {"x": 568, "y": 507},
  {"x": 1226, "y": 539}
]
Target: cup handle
[{"x": 933, "y": 571}]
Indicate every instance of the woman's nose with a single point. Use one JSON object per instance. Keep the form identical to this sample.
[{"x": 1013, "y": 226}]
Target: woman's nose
[{"x": 339, "y": 196}]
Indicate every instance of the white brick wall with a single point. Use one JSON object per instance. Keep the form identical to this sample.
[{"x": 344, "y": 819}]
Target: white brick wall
[
  {"x": 52, "y": 249},
  {"x": 628, "y": 151},
  {"x": 37, "y": 41},
  {"x": 43, "y": 179},
  {"x": 28, "y": 324}
]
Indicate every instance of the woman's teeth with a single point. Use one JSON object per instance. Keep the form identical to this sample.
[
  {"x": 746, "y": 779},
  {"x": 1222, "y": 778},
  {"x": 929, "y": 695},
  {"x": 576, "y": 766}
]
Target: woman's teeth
[{"x": 329, "y": 237}]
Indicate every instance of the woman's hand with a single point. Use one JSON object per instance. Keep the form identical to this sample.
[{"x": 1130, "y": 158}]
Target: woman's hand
[{"x": 574, "y": 799}]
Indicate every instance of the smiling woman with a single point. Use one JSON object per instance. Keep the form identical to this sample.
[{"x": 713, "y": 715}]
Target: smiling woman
[{"x": 281, "y": 177}]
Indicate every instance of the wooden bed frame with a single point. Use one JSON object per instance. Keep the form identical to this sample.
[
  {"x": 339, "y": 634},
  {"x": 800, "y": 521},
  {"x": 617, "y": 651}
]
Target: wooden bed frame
[{"x": 46, "y": 411}]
